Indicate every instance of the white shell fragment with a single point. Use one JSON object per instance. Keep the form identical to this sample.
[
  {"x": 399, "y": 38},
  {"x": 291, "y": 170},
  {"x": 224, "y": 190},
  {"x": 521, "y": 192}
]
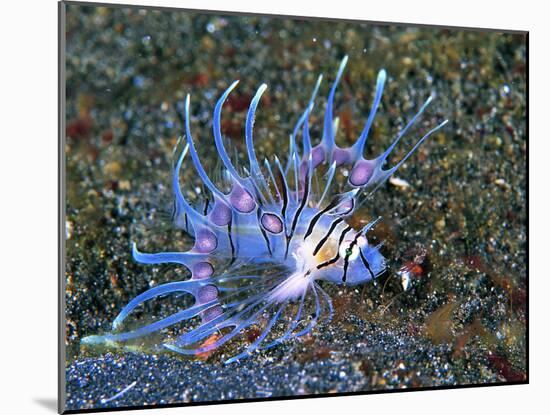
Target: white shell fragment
[{"x": 397, "y": 182}]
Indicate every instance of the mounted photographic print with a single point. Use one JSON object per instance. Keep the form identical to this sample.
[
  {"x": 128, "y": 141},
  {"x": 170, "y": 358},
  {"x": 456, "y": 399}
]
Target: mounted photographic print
[{"x": 257, "y": 207}]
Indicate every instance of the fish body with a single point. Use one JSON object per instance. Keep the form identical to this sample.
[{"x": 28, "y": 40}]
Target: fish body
[{"x": 263, "y": 251}]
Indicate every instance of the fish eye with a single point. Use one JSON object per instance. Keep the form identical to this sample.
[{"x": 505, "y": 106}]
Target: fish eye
[{"x": 349, "y": 252}]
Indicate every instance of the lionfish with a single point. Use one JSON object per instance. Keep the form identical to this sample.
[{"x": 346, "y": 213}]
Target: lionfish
[{"x": 274, "y": 229}]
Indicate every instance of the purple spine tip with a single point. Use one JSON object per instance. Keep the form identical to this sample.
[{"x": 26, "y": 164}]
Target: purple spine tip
[
  {"x": 220, "y": 214},
  {"x": 272, "y": 223},
  {"x": 345, "y": 207},
  {"x": 303, "y": 171},
  {"x": 361, "y": 173},
  {"x": 202, "y": 270},
  {"x": 317, "y": 156},
  {"x": 205, "y": 242},
  {"x": 211, "y": 313},
  {"x": 207, "y": 293},
  {"x": 341, "y": 156},
  {"x": 241, "y": 199}
]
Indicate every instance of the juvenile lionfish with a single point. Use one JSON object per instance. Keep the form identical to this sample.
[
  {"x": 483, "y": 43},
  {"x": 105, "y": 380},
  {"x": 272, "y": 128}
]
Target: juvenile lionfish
[{"x": 274, "y": 229}]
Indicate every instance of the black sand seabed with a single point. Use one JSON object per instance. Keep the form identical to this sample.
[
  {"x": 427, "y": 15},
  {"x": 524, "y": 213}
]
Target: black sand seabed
[{"x": 462, "y": 320}]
